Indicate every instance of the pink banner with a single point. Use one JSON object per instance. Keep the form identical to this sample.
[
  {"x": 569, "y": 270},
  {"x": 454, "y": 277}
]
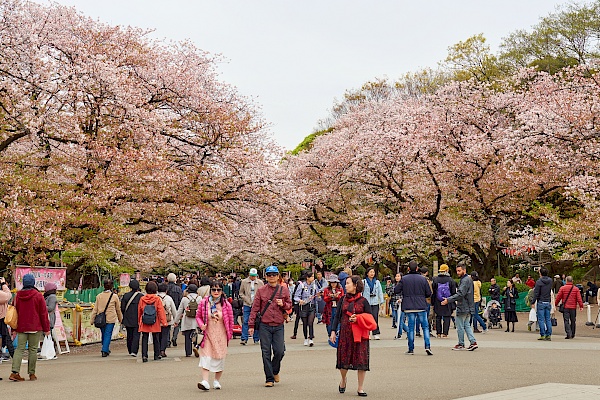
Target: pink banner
[
  {"x": 42, "y": 276},
  {"x": 124, "y": 280}
]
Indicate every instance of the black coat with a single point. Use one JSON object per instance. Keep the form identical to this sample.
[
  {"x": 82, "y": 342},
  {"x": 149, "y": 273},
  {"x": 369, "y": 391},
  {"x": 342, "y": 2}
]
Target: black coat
[
  {"x": 414, "y": 290},
  {"x": 130, "y": 316},
  {"x": 175, "y": 292},
  {"x": 495, "y": 292},
  {"x": 510, "y": 303},
  {"x": 444, "y": 311}
]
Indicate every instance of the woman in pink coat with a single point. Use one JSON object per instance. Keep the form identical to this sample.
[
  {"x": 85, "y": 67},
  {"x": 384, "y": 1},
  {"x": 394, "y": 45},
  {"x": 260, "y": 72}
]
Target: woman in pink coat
[{"x": 215, "y": 319}]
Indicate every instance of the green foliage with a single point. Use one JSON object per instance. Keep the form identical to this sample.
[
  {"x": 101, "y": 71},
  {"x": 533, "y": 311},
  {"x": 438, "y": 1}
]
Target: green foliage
[
  {"x": 306, "y": 144},
  {"x": 501, "y": 281}
]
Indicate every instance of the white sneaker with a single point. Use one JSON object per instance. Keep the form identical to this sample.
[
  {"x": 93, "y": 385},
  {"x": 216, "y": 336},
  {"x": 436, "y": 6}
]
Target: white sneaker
[
  {"x": 306, "y": 342},
  {"x": 376, "y": 337},
  {"x": 310, "y": 343},
  {"x": 216, "y": 385},
  {"x": 203, "y": 385}
]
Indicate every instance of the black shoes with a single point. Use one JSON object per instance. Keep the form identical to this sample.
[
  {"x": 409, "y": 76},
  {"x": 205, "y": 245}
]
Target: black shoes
[
  {"x": 342, "y": 389},
  {"x": 174, "y": 342},
  {"x": 104, "y": 354},
  {"x": 144, "y": 359},
  {"x": 362, "y": 394}
]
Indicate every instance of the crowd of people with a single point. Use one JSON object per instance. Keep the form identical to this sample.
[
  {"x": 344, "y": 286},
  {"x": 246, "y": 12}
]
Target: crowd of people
[{"x": 206, "y": 311}]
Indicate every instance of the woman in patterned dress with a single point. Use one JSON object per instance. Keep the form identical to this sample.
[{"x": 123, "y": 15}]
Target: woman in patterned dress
[
  {"x": 350, "y": 354},
  {"x": 215, "y": 319}
]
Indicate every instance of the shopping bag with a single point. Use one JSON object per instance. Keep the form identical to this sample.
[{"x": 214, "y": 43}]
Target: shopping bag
[
  {"x": 48, "y": 352},
  {"x": 532, "y": 315}
]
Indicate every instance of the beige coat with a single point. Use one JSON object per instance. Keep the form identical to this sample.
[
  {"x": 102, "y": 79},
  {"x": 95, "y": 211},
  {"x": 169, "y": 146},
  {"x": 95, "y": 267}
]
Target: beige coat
[
  {"x": 113, "y": 312},
  {"x": 245, "y": 290},
  {"x": 5, "y": 296}
]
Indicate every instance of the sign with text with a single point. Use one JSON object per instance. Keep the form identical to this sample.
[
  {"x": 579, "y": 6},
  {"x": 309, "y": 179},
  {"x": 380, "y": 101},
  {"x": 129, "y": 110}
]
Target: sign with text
[{"x": 42, "y": 276}]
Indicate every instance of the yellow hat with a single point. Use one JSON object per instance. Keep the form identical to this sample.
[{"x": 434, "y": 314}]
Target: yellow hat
[{"x": 444, "y": 268}]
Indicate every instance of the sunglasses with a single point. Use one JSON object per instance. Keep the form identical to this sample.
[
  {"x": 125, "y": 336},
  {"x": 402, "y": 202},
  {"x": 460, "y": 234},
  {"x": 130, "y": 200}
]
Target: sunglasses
[
  {"x": 216, "y": 289},
  {"x": 272, "y": 274}
]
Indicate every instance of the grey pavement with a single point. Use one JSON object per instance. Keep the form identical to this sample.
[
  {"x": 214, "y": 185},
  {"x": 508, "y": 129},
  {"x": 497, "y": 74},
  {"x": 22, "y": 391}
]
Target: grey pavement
[{"x": 504, "y": 362}]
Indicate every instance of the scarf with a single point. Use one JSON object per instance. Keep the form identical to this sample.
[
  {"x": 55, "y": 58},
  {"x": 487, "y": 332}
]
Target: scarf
[
  {"x": 371, "y": 283},
  {"x": 350, "y": 299}
]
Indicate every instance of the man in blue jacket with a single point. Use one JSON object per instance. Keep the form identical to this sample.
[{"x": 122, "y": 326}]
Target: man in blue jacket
[{"x": 415, "y": 291}]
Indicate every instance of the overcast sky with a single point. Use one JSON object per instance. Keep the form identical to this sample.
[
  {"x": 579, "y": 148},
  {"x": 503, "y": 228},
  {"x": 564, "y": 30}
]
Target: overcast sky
[{"x": 295, "y": 57}]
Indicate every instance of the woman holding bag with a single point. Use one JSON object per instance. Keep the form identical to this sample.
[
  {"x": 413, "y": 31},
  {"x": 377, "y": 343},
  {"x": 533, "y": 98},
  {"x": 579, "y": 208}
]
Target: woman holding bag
[
  {"x": 108, "y": 303},
  {"x": 355, "y": 320},
  {"x": 215, "y": 319},
  {"x": 511, "y": 295}
]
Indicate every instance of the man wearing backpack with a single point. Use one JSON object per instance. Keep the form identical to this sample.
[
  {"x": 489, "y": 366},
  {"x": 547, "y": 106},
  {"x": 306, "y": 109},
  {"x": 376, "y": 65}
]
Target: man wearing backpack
[
  {"x": 170, "y": 312},
  {"x": 186, "y": 318},
  {"x": 152, "y": 319},
  {"x": 443, "y": 287},
  {"x": 176, "y": 294},
  {"x": 248, "y": 290}
]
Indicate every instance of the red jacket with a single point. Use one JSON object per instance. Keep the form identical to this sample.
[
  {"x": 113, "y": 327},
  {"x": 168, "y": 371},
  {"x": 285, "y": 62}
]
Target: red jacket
[
  {"x": 274, "y": 314},
  {"x": 531, "y": 283},
  {"x": 574, "y": 299},
  {"x": 161, "y": 317},
  {"x": 32, "y": 312},
  {"x": 365, "y": 323}
]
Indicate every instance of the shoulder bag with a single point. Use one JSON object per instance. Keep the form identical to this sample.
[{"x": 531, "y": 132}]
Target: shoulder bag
[
  {"x": 100, "y": 320},
  {"x": 259, "y": 315},
  {"x": 561, "y": 308}
]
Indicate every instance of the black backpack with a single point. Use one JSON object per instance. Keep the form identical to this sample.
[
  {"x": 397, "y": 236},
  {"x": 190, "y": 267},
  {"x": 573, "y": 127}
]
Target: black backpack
[{"x": 149, "y": 315}]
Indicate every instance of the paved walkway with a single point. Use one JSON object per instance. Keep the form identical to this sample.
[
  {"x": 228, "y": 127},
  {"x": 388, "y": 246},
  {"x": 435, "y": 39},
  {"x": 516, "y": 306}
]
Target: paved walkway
[
  {"x": 545, "y": 391},
  {"x": 504, "y": 361}
]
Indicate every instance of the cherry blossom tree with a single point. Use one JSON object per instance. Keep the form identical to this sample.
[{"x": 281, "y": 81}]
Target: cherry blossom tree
[{"x": 112, "y": 141}]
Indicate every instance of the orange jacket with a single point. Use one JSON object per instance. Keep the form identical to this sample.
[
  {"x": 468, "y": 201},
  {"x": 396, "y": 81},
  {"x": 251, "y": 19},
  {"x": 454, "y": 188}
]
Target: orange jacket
[
  {"x": 364, "y": 324},
  {"x": 161, "y": 317}
]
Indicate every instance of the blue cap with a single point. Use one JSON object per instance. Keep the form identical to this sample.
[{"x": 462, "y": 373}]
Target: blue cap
[{"x": 272, "y": 268}]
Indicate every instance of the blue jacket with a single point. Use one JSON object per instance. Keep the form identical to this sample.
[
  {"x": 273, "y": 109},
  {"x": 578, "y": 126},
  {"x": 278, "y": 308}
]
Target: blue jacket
[
  {"x": 414, "y": 290},
  {"x": 375, "y": 298}
]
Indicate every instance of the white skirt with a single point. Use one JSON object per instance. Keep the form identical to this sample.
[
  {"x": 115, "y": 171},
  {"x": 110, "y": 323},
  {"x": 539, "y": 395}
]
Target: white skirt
[{"x": 212, "y": 364}]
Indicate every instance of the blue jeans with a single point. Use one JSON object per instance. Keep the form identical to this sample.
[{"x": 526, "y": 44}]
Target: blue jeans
[
  {"x": 272, "y": 345},
  {"x": 401, "y": 323},
  {"x": 427, "y": 311},
  {"x": 394, "y": 317},
  {"x": 463, "y": 324},
  {"x": 256, "y": 336},
  {"x": 106, "y": 337},
  {"x": 477, "y": 318},
  {"x": 422, "y": 318},
  {"x": 543, "y": 316}
]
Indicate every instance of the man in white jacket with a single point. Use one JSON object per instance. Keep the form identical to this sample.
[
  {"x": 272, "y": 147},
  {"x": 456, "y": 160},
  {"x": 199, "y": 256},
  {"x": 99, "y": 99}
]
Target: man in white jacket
[{"x": 248, "y": 289}]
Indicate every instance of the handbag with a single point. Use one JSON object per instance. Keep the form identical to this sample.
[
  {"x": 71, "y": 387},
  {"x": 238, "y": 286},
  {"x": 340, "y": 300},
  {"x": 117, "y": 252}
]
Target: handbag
[
  {"x": 100, "y": 320},
  {"x": 259, "y": 315},
  {"x": 553, "y": 321},
  {"x": 561, "y": 308},
  {"x": 12, "y": 317}
]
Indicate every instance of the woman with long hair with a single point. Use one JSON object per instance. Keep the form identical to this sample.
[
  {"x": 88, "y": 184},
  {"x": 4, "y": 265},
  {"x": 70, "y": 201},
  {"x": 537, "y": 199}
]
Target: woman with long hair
[
  {"x": 352, "y": 353},
  {"x": 306, "y": 295},
  {"x": 511, "y": 295},
  {"x": 215, "y": 319}
]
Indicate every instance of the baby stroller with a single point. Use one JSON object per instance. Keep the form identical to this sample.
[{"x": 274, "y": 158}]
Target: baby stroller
[{"x": 493, "y": 314}]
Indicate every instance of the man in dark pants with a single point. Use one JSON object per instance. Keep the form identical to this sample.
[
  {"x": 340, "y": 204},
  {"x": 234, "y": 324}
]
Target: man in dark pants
[
  {"x": 570, "y": 296},
  {"x": 129, "y": 309},
  {"x": 271, "y": 329},
  {"x": 176, "y": 294}
]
